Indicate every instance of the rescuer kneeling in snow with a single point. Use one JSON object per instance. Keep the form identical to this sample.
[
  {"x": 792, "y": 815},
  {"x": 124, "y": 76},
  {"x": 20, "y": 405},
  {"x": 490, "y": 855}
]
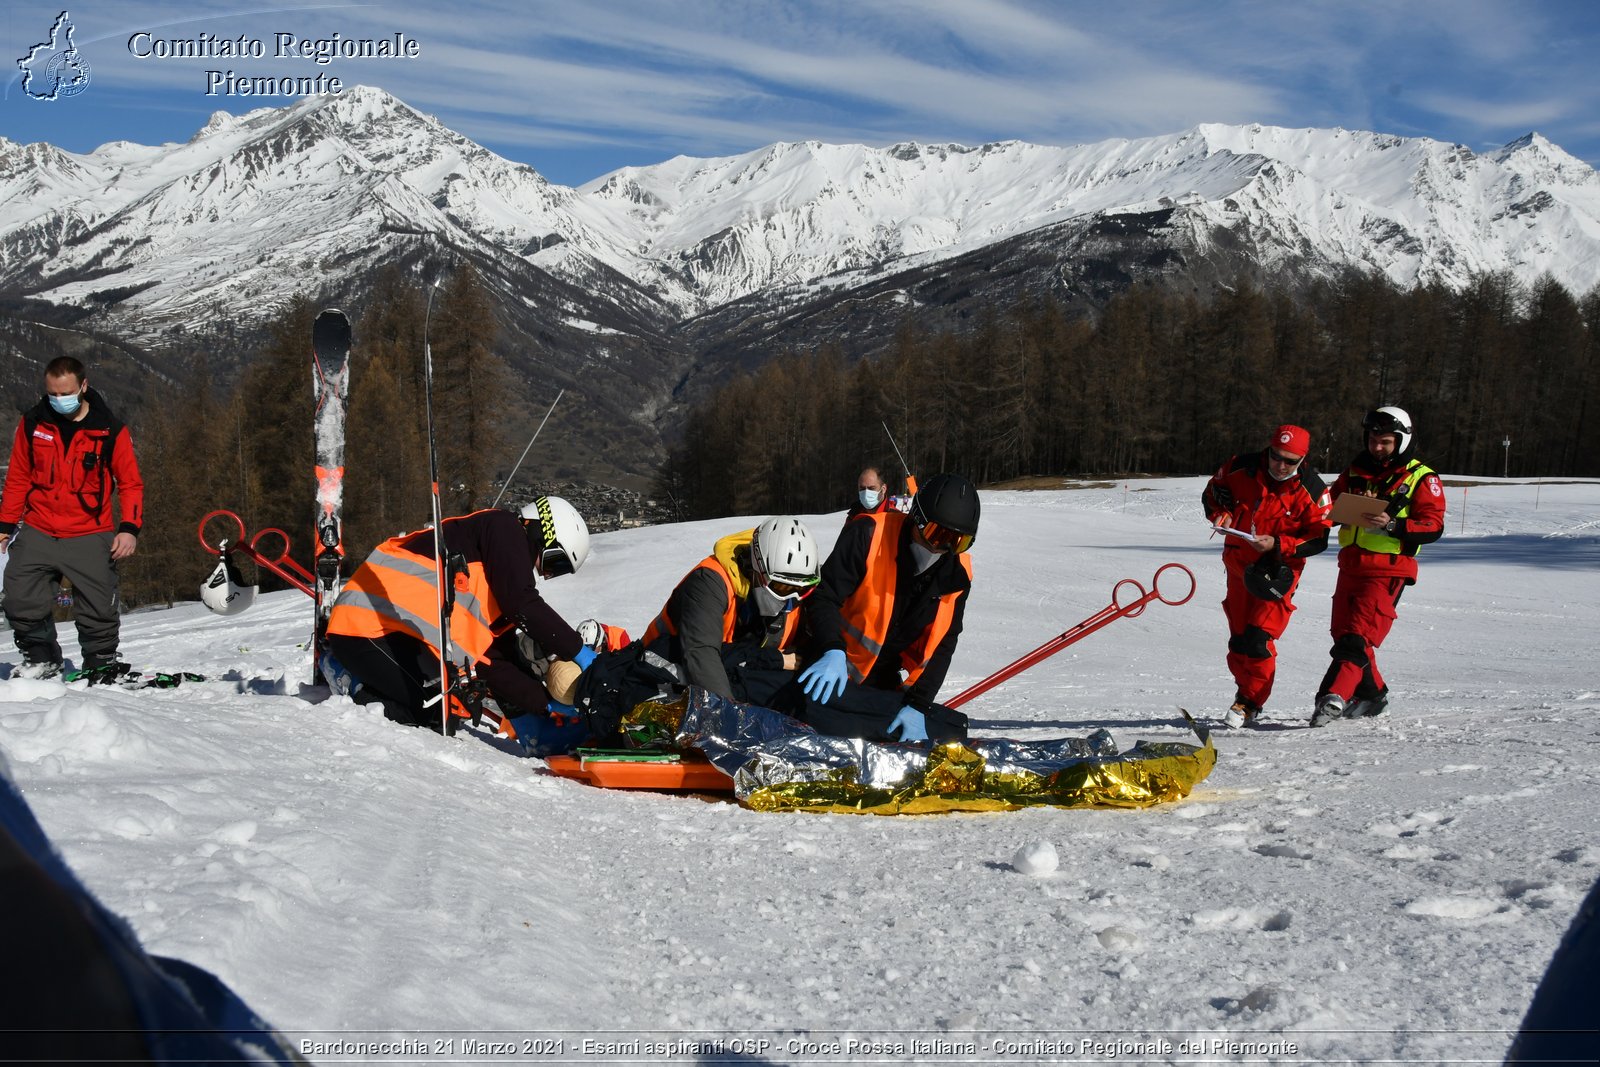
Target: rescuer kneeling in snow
[
  {"x": 384, "y": 628},
  {"x": 887, "y": 616},
  {"x": 733, "y": 622}
]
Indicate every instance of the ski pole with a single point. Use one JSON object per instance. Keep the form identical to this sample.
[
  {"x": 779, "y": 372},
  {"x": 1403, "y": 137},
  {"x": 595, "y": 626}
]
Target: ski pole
[
  {"x": 524, "y": 455},
  {"x": 1106, "y": 615},
  {"x": 440, "y": 566}
]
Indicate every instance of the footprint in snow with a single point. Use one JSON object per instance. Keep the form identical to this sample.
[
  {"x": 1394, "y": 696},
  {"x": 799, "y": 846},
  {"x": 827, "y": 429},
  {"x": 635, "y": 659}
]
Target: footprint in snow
[
  {"x": 1538, "y": 895},
  {"x": 1465, "y": 909},
  {"x": 1412, "y": 852},
  {"x": 130, "y": 827},
  {"x": 1242, "y": 919},
  {"x": 1411, "y": 825},
  {"x": 1120, "y": 940},
  {"x": 1254, "y": 1002},
  {"x": 1283, "y": 851}
]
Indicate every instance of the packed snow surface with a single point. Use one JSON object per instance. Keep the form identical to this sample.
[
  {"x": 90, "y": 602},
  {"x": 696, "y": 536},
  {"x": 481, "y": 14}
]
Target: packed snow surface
[{"x": 1379, "y": 889}]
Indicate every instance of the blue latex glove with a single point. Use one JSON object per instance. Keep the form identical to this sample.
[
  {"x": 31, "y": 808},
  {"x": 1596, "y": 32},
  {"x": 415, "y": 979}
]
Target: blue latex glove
[
  {"x": 911, "y": 723},
  {"x": 824, "y": 679},
  {"x": 585, "y": 656},
  {"x": 541, "y": 736}
]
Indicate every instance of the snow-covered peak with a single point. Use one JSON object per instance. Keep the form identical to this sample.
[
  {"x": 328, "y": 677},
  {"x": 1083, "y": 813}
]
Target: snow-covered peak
[
  {"x": 1536, "y": 157},
  {"x": 695, "y": 233},
  {"x": 219, "y": 121},
  {"x": 363, "y": 106}
]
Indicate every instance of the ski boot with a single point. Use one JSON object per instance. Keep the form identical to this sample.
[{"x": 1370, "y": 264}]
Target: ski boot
[
  {"x": 38, "y": 669},
  {"x": 99, "y": 670},
  {"x": 1243, "y": 713},
  {"x": 1330, "y": 706},
  {"x": 1368, "y": 707}
]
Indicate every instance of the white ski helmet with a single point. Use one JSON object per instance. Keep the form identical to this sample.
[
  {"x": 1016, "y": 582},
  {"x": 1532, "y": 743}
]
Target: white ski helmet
[
  {"x": 224, "y": 591},
  {"x": 783, "y": 556},
  {"x": 783, "y": 550},
  {"x": 1390, "y": 420},
  {"x": 566, "y": 536}
]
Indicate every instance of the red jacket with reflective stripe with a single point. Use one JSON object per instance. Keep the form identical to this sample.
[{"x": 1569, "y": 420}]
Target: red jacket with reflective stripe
[{"x": 1415, "y": 500}]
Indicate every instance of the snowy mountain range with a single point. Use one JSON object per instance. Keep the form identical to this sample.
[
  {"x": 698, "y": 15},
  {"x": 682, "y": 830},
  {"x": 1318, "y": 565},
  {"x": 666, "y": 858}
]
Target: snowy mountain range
[{"x": 646, "y": 273}]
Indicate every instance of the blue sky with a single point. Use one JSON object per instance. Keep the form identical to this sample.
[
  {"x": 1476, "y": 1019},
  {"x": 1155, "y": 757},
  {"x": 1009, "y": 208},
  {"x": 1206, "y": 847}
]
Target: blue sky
[{"x": 578, "y": 88}]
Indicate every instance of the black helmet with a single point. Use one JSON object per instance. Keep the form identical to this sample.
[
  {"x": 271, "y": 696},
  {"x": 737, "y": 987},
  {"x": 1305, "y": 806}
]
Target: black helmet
[
  {"x": 1269, "y": 578},
  {"x": 947, "y": 505}
]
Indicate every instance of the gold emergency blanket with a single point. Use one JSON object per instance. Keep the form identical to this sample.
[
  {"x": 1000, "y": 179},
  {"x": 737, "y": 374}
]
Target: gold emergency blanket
[{"x": 780, "y": 764}]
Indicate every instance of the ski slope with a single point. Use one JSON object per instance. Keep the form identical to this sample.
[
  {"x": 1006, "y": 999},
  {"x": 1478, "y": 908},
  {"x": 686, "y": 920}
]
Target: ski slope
[{"x": 1380, "y": 889}]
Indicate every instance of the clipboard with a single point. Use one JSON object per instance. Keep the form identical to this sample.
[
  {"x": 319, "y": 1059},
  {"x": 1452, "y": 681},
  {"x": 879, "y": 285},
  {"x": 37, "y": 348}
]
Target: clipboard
[
  {"x": 1351, "y": 508},
  {"x": 1232, "y": 532}
]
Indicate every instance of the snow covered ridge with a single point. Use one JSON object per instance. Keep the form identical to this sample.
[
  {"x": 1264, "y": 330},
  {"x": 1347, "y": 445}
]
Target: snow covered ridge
[{"x": 264, "y": 203}]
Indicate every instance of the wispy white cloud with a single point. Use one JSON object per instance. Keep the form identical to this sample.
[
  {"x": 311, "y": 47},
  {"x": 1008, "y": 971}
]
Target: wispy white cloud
[
  {"x": 716, "y": 77},
  {"x": 1508, "y": 114}
]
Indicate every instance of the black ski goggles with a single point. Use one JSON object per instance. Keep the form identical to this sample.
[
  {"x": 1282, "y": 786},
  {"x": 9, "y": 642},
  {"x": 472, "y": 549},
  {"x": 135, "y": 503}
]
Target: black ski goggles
[
  {"x": 944, "y": 539},
  {"x": 554, "y": 562}
]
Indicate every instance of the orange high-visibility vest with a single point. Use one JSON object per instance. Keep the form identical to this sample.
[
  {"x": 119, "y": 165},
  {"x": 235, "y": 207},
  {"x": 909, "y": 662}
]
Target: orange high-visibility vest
[
  {"x": 395, "y": 591},
  {"x": 868, "y": 610},
  {"x": 663, "y": 624}
]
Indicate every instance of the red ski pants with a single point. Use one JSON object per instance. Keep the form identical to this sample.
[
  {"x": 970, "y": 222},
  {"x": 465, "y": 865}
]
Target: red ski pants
[
  {"x": 1364, "y": 610},
  {"x": 1254, "y": 626}
]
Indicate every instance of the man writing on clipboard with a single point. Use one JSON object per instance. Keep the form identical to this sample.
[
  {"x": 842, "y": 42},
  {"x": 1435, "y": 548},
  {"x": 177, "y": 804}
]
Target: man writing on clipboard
[
  {"x": 1273, "y": 510},
  {"x": 1395, "y": 506}
]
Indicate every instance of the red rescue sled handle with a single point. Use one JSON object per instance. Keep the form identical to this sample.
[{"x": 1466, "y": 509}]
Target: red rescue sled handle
[
  {"x": 283, "y": 565},
  {"x": 1108, "y": 614}
]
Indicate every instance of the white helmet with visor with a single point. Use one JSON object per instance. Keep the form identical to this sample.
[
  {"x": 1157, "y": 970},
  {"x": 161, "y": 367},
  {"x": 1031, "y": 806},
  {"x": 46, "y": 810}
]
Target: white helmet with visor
[{"x": 783, "y": 557}]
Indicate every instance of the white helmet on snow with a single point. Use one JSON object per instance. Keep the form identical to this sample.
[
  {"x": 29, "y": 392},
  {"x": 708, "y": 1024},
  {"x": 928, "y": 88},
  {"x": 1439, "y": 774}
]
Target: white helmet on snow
[
  {"x": 783, "y": 555},
  {"x": 1390, "y": 420},
  {"x": 566, "y": 536},
  {"x": 224, "y": 591}
]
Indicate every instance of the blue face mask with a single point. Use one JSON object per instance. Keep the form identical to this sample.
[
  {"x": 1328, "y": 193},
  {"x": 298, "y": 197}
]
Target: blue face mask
[
  {"x": 64, "y": 405},
  {"x": 870, "y": 498}
]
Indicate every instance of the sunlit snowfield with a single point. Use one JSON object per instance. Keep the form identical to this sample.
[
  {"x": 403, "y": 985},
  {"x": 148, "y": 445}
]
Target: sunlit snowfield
[{"x": 1380, "y": 889}]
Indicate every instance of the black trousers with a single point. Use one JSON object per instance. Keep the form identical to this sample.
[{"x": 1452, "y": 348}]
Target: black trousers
[
  {"x": 861, "y": 711},
  {"x": 398, "y": 670}
]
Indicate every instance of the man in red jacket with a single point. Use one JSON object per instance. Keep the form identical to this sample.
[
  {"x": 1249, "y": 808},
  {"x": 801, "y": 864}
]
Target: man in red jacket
[
  {"x": 1277, "y": 509},
  {"x": 1377, "y": 560},
  {"x": 69, "y": 456}
]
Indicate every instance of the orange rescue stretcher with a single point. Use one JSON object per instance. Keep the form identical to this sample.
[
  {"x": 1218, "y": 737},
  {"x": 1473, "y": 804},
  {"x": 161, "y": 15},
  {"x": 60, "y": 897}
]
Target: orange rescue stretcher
[{"x": 687, "y": 772}]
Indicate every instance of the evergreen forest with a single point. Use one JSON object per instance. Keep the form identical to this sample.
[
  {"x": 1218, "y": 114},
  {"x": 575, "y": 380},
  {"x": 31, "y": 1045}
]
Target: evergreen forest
[
  {"x": 1162, "y": 383},
  {"x": 1158, "y": 383}
]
